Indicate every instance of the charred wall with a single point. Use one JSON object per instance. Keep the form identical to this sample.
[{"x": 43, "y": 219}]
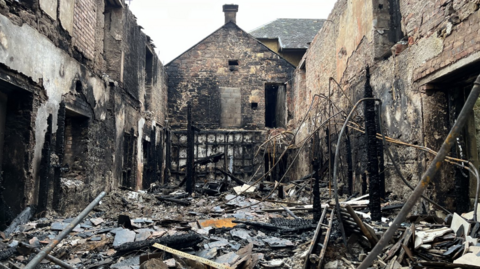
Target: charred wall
[
  {"x": 68, "y": 107},
  {"x": 437, "y": 42},
  {"x": 227, "y": 71}
]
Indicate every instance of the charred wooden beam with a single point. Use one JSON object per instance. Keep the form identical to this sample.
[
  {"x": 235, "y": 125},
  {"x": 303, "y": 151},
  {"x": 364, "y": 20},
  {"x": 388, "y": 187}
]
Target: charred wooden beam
[
  {"x": 7, "y": 253},
  {"x": 209, "y": 159},
  {"x": 178, "y": 201},
  {"x": 372, "y": 152},
  {"x": 260, "y": 225},
  {"x": 371, "y": 237},
  {"x": 21, "y": 219},
  {"x": 175, "y": 241},
  {"x": 239, "y": 181}
]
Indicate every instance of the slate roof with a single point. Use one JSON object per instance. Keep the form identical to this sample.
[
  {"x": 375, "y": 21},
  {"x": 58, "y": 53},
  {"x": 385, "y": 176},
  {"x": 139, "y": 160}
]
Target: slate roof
[{"x": 291, "y": 33}]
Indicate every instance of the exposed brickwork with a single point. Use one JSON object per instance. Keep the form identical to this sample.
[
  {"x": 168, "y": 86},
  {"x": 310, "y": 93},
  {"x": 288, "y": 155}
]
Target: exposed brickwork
[
  {"x": 198, "y": 74},
  {"x": 463, "y": 40},
  {"x": 84, "y": 25}
]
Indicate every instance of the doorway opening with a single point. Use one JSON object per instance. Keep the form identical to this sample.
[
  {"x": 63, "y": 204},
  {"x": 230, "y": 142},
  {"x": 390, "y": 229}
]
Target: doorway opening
[
  {"x": 275, "y": 105},
  {"x": 455, "y": 88},
  {"x": 15, "y": 146},
  {"x": 128, "y": 171}
]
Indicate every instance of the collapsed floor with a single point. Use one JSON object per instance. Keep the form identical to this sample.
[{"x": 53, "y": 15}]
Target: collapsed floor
[{"x": 238, "y": 231}]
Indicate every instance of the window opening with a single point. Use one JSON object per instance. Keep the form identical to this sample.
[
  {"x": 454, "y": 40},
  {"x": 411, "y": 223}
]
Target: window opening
[{"x": 233, "y": 64}]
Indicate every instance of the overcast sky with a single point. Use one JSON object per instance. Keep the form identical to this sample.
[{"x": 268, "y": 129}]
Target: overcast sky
[{"x": 177, "y": 25}]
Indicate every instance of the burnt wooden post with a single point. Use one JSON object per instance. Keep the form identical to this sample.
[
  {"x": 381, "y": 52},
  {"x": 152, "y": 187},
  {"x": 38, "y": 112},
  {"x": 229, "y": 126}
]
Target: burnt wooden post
[
  {"x": 372, "y": 153},
  {"x": 190, "y": 186},
  {"x": 60, "y": 151},
  {"x": 45, "y": 165}
]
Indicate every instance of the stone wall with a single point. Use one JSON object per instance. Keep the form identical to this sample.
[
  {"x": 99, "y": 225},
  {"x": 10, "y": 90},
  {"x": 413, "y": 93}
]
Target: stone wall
[
  {"x": 411, "y": 75},
  {"x": 199, "y": 74}
]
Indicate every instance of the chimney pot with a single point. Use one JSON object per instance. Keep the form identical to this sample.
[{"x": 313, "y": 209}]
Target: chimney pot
[{"x": 230, "y": 13}]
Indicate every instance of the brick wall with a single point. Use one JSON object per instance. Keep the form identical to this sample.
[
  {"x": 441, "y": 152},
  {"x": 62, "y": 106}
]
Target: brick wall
[{"x": 84, "y": 25}]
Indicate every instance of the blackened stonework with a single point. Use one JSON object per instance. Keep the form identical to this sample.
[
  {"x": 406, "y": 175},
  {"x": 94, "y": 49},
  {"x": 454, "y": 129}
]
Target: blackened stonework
[{"x": 206, "y": 76}]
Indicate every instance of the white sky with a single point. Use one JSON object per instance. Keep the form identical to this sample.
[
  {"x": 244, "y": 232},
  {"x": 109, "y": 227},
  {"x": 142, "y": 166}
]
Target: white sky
[{"x": 177, "y": 25}]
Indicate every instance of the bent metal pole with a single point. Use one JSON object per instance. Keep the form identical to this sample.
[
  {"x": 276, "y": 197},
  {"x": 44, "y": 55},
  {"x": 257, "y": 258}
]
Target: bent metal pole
[
  {"x": 43, "y": 253},
  {"x": 427, "y": 177}
]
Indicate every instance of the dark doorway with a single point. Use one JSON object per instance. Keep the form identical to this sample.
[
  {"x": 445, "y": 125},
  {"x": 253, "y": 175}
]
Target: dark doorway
[
  {"x": 275, "y": 105},
  {"x": 15, "y": 138},
  {"x": 128, "y": 173},
  {"x": 456, "y": 87}
]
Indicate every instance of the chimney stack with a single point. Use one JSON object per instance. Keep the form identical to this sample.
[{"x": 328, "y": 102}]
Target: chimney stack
[{"x": 230, "y": 13}]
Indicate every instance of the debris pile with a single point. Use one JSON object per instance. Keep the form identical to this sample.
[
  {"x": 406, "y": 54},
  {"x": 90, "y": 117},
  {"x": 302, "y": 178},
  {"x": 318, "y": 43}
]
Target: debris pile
[{"x": 166, "y": 227}]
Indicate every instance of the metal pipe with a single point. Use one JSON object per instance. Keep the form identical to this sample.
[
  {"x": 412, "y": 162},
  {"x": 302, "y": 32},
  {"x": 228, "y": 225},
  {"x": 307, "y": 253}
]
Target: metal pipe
[
  {"x": 49, "y": 257},
  {"x": 41, "y": 255},
  {"x": 427, "y": 176}
]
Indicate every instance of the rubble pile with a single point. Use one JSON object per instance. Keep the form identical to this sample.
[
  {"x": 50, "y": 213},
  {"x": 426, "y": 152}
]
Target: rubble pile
[{"x": 165, "y": 227}]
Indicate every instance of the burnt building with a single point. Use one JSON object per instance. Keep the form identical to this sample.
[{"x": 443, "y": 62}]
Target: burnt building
[
  {"x": 423, "y": 58},
  {"x": 82, "y": 97},
  {"x": 237, "y": 89}
]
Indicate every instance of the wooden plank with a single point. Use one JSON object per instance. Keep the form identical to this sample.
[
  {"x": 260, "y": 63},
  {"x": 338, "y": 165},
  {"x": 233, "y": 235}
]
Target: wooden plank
[
  {"x": 191, "y": 257},
  {"x": 372, "y": 238}
]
